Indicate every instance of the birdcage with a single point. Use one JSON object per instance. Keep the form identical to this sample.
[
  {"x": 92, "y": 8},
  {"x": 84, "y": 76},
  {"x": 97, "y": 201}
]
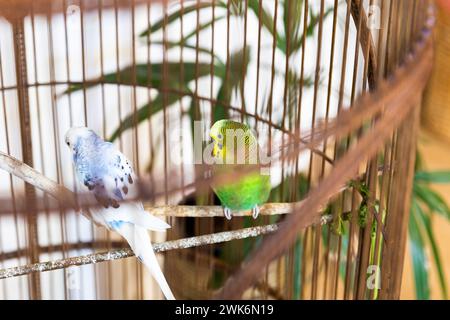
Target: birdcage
[{"x": 331, "y": 87}]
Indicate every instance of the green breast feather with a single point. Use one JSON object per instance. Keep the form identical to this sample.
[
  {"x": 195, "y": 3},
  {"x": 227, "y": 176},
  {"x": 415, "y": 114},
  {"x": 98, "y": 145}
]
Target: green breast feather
[{"x": 251, "y": 189}]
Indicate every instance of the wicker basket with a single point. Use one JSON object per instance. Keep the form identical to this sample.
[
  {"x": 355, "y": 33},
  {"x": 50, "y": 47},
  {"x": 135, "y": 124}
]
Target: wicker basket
[{"x": 436, "y": 111}]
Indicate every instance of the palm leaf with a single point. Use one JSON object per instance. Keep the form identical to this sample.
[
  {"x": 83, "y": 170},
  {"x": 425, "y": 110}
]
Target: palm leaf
[
  {"x": 201, "y": 27},
  {"x": 176, "y": 44},
  {"x": 145, "y": 112},
  {"x": 425, "y": 221},
  {"x": 163, "y": 22},
  {"x": 298, "y": 254},
  {"x": 312, "y": 24},
  {"x": 152, "y": 75},
  {"x": 220, "y": 110},
  {"x": 231, "y": 81},
  {"x": 419, "y": 258},
  {"x": 292, "y": 19},
  {"x": 433, "y": 177},
  {"x": 266, "y": 17},
  {"x": 431, "y": 199}
]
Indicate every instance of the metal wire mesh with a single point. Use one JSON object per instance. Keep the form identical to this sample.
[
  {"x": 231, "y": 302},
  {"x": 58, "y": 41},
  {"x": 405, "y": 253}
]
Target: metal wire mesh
[{"x": 332, "y": 88}]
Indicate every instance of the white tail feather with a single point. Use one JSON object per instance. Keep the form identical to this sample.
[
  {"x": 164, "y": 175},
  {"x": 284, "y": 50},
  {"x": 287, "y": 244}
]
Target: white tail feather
[
  {"x": 132, "y": 212},
  {"x": 139, "y": 242}
]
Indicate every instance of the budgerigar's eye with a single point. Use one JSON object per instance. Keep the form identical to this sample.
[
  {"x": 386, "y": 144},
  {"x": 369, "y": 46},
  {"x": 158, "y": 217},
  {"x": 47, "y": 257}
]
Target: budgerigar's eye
[
  {"x": 219, "y": 136},
  {"x": 68, "y": 143}
]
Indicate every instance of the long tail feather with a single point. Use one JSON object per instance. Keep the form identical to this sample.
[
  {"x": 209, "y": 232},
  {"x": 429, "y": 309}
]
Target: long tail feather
[{"x": 139, "y": 242}]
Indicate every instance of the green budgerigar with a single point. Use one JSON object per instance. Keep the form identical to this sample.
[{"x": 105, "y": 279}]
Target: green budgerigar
[{"x": 235, "y": 146}]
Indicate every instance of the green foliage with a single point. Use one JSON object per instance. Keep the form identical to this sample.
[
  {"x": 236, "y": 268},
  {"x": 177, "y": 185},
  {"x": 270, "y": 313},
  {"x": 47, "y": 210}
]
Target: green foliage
[
  {"x": 363, "y": 210},
  {"x": 231, "y": 81},
  {"x": 283, "y": 192},
  {"x": 164, "y": 22},
  {"x": 298, "y": 255},
  {"x": 152, "y": 75},
  {"x": 433, "y": 177},
  {"x": 423, "y": 246},
  {"x": 426, "y": 202},
  {"x": 418, "y": 255}
]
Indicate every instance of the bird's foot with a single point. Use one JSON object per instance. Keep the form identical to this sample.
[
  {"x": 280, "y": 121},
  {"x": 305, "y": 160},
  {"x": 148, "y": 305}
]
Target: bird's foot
[
  {"x": 227, "y": 213},
  {"x": 255, "y": 212}
]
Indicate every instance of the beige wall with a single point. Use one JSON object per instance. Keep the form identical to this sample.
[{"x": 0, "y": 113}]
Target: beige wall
[{"x": 436, "y": 156}]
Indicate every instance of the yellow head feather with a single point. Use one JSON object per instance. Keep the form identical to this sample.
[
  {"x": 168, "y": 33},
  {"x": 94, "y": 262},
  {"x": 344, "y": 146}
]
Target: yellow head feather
[{"x": 238, "y": 134}]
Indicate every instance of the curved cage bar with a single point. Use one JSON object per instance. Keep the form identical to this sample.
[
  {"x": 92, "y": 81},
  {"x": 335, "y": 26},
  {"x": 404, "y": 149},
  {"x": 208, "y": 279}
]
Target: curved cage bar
[{"x": 331, "y": 88}]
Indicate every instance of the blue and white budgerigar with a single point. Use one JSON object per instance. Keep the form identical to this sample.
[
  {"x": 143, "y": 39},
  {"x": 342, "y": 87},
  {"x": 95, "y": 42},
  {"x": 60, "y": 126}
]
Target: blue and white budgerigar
[{"x": 108, "y": 174}]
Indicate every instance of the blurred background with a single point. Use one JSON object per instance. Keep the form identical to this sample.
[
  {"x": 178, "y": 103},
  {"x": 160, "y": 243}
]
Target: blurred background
[{"x": 434, "y": 149}]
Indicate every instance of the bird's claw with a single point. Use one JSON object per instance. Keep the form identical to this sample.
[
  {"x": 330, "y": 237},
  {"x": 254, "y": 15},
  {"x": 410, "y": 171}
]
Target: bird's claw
[
  {"x": 255, "y": 212},
  {"x": 227, "y": 213}
]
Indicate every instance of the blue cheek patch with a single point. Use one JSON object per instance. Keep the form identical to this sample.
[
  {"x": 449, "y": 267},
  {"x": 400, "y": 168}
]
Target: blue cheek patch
[
  {"x": 118, "y": 194},
  {"x": 220, "y": 146},
  {"x": 116, "y": 224}
]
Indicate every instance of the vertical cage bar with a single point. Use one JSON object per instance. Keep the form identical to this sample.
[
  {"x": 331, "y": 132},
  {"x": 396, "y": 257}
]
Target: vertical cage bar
[{"x": 27, "y": 151}]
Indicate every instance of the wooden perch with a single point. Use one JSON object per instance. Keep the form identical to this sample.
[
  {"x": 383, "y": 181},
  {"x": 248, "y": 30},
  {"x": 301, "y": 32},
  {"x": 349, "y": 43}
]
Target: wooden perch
[
  {"x": 268, "y": 209},
  {"x": 38, "y": 180},
  {"x": 35, "y": 178},
  {"x": 185, "y": 243},
  {"x": 69, "y": 200},
  {"x": 125, "y": 253}
]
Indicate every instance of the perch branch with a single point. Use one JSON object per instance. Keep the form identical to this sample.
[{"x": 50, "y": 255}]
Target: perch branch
[
  {"x": 54, "y": 248},
  {"x": 268, "y": 209},
  {"x": 33, "y": 177},
  {"x": 185, "y": 243},
  {"x": 38, "y": 180},
  {"x": 125, "y": 253},
  {"x": 158, "y": 247},
  {"x": 68, "y": 200}
]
